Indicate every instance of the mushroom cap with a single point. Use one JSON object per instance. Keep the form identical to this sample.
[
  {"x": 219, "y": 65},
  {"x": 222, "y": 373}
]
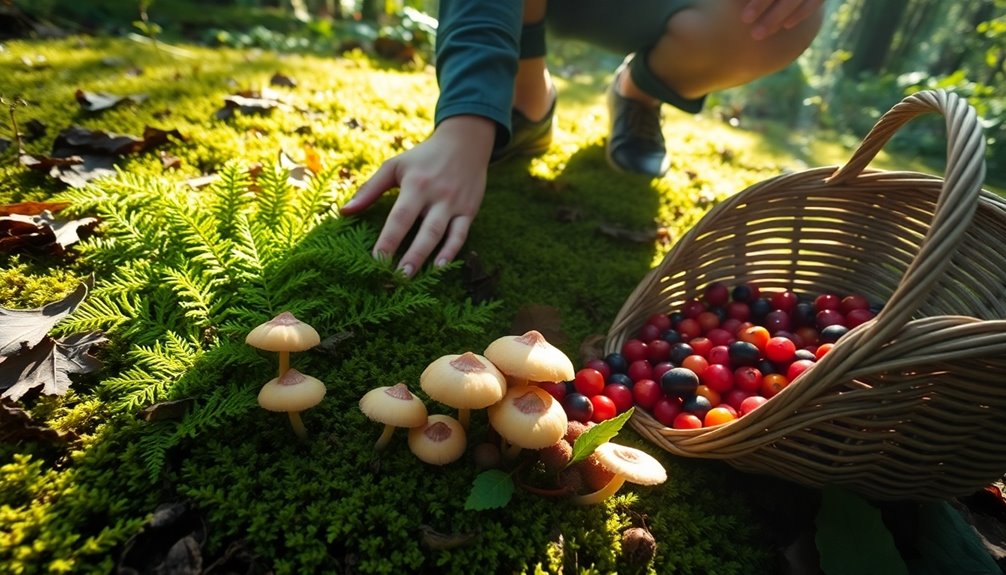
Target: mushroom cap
[
  {"x": 634, "y": 465},
  {"x": 393, "y": 405},
  {"x": 530, "y": 357},
  {"x": 529, "y": 417},
  {"x": 294, "y": 391},
  {"x": 283, "y": 333},
  {"x": 441, "y": 441},
  {"x": 466, "y": 381}
]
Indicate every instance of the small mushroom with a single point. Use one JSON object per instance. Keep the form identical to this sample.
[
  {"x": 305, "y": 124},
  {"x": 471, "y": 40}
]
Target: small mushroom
[
  {"x": 292, "y": 392},
  {"x": 627, "y": 464},
  {"x": 528, "y": 417},
  {"x": 394, "y": 406},
  {"x": 466, "y": 382},
  {"x": 439, "y": 442},
  {"x": 283, "y": 333},
  {"x": 529, "y": 358}
]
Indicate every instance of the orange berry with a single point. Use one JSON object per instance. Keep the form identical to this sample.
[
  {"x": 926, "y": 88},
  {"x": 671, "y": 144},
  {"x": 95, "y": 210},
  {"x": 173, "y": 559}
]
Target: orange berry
[
  {"x": 756, "y": 335},
  {"x": 772, "y": 384},
  {"x": 718, "y": 416},
  {"x": 823, "y": 349},
  {"x": 696, "y": 363}
]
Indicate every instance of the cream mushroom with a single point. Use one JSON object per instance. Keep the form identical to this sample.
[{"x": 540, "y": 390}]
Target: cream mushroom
[
  {"x": 439, "y": 442},
  {"x": 292, "y": 392},
  {"x": 529, "y": 358},
  {"x": 394, "y": 406},
  {"x": 466, "y": 382},
  {"x": 628, "y": 464},
  {"x": 283, "y": 333},
  {"x": 528, "y": 417}
]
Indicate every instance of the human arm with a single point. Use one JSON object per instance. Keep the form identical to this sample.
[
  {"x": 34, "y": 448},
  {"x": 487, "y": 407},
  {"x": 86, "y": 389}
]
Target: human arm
[
  {"x": 766, "y": 17},
  {"x": 442, "y": 180}
]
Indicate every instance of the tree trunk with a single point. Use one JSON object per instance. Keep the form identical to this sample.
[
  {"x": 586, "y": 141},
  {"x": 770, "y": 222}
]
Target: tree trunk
[{"x": 877, "y": 25}]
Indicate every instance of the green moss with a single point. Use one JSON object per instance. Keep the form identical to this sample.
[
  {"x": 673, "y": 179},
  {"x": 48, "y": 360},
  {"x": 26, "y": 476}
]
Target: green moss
[{"x": 184, "y": 274}]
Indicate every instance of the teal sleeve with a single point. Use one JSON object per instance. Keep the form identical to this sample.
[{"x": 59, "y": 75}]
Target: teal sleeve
[{"x": 477, "y": 52}]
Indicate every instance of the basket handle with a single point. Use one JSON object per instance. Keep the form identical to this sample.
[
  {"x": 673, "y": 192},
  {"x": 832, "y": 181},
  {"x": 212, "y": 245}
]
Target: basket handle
[{"x": 958, "y": 201}]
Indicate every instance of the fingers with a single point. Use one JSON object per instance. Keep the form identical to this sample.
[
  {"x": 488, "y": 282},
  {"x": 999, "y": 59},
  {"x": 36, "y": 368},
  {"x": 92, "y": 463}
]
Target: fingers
[
  {"x": 383, "y": 180},
  {"x": 439, "y": 225},
  {"x": 754, "y": 10},
  {"x": 806, "y": 11},
  {"x": 400, "y": 220}
]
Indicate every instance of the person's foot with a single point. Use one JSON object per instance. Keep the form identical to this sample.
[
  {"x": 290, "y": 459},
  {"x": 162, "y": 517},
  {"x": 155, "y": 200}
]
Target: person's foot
[
  {"x": 527, "y": 137},
  {"x": 635, "y": 140}
]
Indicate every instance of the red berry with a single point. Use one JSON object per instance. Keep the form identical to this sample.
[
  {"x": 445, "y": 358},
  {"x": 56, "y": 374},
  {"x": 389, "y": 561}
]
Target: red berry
[
  {"x": 805, "y": 336},
  {"x": 658, "y": 350},
  {"x": 720, "y": 336},
  {"x": 857, "y": 317},
  {"x": 646, "y": 393},
  {"x": 661, "y": 321},
  {"x": 687, "y": 421},
  {"x": 719, "y": 355},
  {"x": 718, "y": 377},
  {"x": 827, "y": 301},
  {"x": 601, "y": 366},
  {"x": 692, "y": 309},
  {"x": 708, "y": 320},
  {"x": 851, "y": 302},
  {"x": 634, "y": 350},
  {"x": 747, "y": 378},
  {"x": 822, "y": 349},
  {"x": 640, "y": 369},
  {"x": 666, "y": 409},
  {"x": 588, "y": 381},
  {"x": 701, "y": 345},
  {"x": 780, "y": 349},
  {"x": 661, "y": 368},
  {"x": 739, "y": 310},
  {"x": 784, "y": 300},
  {"x": 689, "y": 328},
  {"x": 827, "y": 317},
  {"x": 556, "y": 389},
  {"x": 716, "y": 294},
  {"x": 797, "y": 367},
  {"x": 735, "y": 397},
  {"x": 776, "y": 321},
  {"x": 752, "y": 403},
  {"x": 604, "y": 408},
  {"x": 620, "y": 395},
  {"x": 730, "y": 325},
  {"x": 648, "y": 332}
]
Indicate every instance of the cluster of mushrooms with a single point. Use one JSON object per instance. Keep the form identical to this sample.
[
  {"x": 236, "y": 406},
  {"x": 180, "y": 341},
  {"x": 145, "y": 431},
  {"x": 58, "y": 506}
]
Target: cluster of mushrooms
[
  {"x": 503, "y": 380},
  {"x": 290, "y": 391}
]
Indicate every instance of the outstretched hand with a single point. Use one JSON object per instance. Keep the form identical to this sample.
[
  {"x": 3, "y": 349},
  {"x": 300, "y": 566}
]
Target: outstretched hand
[
  {"x": 441, "y": 184},
  {"x": 767, "y": 17}
]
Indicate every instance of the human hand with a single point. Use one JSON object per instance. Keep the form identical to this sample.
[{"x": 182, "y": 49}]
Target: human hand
[
  {"x": 441, "y": 184},
  {"x": 767, "y": 17}
]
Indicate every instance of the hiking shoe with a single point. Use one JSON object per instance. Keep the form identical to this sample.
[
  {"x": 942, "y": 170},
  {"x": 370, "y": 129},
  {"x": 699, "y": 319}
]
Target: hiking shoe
[
  {"x": 527, "y": 138},
  {"x": 635, "y": 141}
]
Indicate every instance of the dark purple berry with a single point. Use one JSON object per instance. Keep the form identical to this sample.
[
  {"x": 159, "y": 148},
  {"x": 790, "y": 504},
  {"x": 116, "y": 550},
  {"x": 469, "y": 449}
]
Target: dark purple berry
[
  {"x": 680, "y": 351},
  {"x": 679, "y": 382},
  {"x": 743, "y": 354},
  {"x": 616, "y": 362},
  {"x": 697, "y": 404},
  {"x": 621, "y": 378},
  {"x": 578, "y": 407},
  {"x": 831, "y": 333}
]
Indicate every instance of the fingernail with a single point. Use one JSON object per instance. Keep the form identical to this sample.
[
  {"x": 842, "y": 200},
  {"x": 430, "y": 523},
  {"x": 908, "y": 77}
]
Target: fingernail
[
  {"x": 407, "y": 269},
  {"x": 350, "y": 203},
  {"x": 441, "y": 262}
]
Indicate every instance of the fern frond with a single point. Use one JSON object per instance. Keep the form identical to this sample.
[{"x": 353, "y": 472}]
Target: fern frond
[
  {"x": 230, "y": 197},
  {"x": 273, "y": 199},
  {"x": 195, "y": 295}
]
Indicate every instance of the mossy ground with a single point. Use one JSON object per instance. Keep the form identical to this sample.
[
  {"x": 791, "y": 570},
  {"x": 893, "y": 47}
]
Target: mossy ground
[{"x": 333, "y": 505}]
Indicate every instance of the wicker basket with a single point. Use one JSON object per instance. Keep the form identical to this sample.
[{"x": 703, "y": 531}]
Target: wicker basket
[{"x": 910, "y": 405}]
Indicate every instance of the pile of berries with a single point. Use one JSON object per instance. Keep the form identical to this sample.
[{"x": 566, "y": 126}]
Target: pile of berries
[{"x": 719, "y": 357}]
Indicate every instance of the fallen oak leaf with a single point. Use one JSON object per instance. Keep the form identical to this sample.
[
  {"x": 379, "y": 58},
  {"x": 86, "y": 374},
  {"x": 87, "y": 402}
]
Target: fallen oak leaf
[
  {"x": 47, "y": 163},
  {"x": 79, "y": 140},
  {"x": 248, "y": 106},
  {"x": 48, "y": 365},
  {"x": 24, "y": 329},
  {"x": 18, "y": 425},
  {"x": 99, "y": 101},
  {"x": 32, "y": 208},
  {"x": 41, "y": 232},
  {"x": 283, "y": 80}
]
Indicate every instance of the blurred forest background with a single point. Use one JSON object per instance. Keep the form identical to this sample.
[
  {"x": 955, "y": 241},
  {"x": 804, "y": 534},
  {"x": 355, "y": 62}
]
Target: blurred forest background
[{"x": 868, "y": 56}]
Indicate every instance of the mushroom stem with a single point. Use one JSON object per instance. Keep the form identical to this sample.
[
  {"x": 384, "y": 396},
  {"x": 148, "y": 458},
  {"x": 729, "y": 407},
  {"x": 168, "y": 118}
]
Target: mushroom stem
[
  {"x": 385, "y": 437},
  {"x": 602, "y": 493},
  {"x": 284, "y": 362},
  {"x": 463, "y": 417},
  {"x": 297, "y": 424},
  {"x": 510, "y": 450}
]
